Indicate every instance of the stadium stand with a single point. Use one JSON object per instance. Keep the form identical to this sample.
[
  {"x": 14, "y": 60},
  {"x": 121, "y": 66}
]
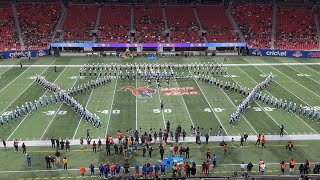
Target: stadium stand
[
  {"x": 149, "y": 24},
  {"x": 114, "y": 29},
  {"x": 79, "y": 21},
  {"x": 255, "y": 23},
  {"x": 9, "y": 39},
  {"x": 215, "y": 21},
  {"x": 183, "y": 24},
  {"x": 37, "y": 22},
  {"x": 296, "y": 30}
]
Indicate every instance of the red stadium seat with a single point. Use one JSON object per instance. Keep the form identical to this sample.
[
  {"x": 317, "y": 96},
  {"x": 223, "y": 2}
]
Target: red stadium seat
[{"x": 9, "y": 38}]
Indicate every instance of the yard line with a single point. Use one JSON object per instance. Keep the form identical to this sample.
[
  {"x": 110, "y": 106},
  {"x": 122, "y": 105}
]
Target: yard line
[
  {"x": 75, "y": 132},
  {"x": 16, "y": 78},
  {"x": 295, "y": 81},
  {"x": 136, "y": 102},
  {"x": 311, "y": 69},
  {"x": 17, "y": 98},
  {"x": 5, "y": 71},
  {"x": 55, "y": 113},
  {"x": 306, "y": 76},
  {"x": 256, "y": 102},
  {"x": 164, "y": 120},
  {"x": 210, "y": 106},
  {"x": 288, "y": 91},
  {"x": 114, "y": 92},
  {"x": 184, "y": 103},
  {"x": 236, "y": 107}
]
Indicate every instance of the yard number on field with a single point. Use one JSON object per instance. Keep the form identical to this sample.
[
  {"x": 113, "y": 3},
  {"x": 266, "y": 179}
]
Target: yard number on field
[
  {"x": 35, "y": 77},
  {"x": 76, "y": 77},
  {"x": 214, "y": 109},
  {"x": 303, "y": 75},
  {"x": 51, "y": 113},
  {"x": 230, "y": 75},
  {"x": 258, "y": 109},
  {"x": 164, "y": 110},
  {"x": 115, "y": 111}
]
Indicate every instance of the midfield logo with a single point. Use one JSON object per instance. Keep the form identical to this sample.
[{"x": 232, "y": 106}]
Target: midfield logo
[{"x": 143, "y": 92}]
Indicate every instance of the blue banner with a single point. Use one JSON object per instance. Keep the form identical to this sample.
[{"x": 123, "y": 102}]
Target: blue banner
[
  {"x": 284, "y": 53},
  {"x": 148, "y": 45},
  {"x": 25, "y": 53}
]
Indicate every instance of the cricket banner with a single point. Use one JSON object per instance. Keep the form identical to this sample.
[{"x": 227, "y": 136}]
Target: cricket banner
[{"x": 179, "y": 91}]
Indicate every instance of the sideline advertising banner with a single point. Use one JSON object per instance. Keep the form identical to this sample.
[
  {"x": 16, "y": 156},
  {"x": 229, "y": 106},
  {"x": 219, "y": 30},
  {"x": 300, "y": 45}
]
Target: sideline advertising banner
[
  {"x": 284, "y": 53},
  {"x": 24, "y": 54}
]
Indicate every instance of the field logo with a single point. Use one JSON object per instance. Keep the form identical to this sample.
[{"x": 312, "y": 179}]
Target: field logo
[
  {"x": 41, "y": 53},
  {"x": 179, "y": 91},
  {"x": 143, "y": 92},
  {"x": 297, "y": 54}
]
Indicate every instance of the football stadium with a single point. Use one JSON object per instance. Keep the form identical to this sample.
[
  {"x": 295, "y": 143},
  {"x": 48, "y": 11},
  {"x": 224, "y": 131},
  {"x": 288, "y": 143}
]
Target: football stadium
[{"x": 210, "y": 89}]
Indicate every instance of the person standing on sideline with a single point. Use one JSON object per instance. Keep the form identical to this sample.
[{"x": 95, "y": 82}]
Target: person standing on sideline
[
  {"x": 65, "y": 163},
  {"x": 225, "y": 148},
  {"x": 82, "y": 171},
  {"x": 53, "y": 145},
  {"x": 161, "y": 105},
  {"x": 263, "y": 142},
  {"x": 67, "y": 145},
  {"x": 161, "y": 152},
  {"x": 241, "y": 141},
  {"x": 4, "y": 144},
  {"x": 258, "y": 139},
  {"x": 242, "y": 166},
  {"x": 208, "y": 154},
  {"x": 91, "y": 169},
  {"x": 281, "y": 130},
  {"x": 57, "y": 156},
  {"x": 94, "y": 147},
  {"x": 24, "y": 148},
  {"x": 282, "y": 166},
  {"x": 207, "y": 139},
  {"x": 291, "y": 166},
  {"x": 28, "y": 160},
  {"x": 20, "y": 64},
  {"x": 214, "y": 161}
]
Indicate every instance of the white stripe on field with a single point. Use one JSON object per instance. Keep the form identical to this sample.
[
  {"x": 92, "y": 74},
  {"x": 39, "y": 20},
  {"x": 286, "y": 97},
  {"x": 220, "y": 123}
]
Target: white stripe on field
[
  {"x": 75, "y": 132},
  {"x": 16, "y": 79},
  {"x": 114, "y": 92},
  {"x": 18, "y": 97}
]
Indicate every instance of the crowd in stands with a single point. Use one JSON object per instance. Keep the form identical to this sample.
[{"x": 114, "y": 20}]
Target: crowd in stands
[
  {"x": 9, "y": 38},
  {"x": 296, "y": 29},
  {"x": 255, "y": 23},
  {"x": 149, "y": 24},
  {"x": 114, "y": 29},
  {"x": 183, "y": 25},
  {"x": 215, "y": 21},
  {"x": 79, "y": 21},
  {"x": 37, "y": 22}
]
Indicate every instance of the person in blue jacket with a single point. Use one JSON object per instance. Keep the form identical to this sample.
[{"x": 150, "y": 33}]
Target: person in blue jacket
[
  {"x": 118, "y": 167},
  {"x": 162, "y": 169},
  {"x": 144, "y": 170},
  {"x": 91, "y": 169},
  {"x": 101, "y": 169},
  {"x": 29, "y": 160},
  {"x": 106, "y": 169},
  {"x": 137, "y": 170}
]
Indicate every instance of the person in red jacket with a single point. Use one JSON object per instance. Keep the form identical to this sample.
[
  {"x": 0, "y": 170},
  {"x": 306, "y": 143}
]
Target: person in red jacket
[
  {"x": 82, "y": 171},
  {"x": 263, "y": 142},
  {"x": 282, "y": 166},
  {"x": 207, "y": 167},
  {"x": 291, "y": 166}
]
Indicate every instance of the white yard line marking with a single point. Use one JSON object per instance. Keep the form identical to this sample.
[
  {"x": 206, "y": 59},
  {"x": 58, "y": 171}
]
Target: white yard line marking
[
  {"x": 164, "y": 120},
  {"x": 236, "y": 107},
  {"x": 75, "y": 132},
  {"x": 5, "y": 71},
  {"x": 311, "y": 69},
  {"x": 256, "y": 102},
  {"x": 55, "y": 114},
  {"x": 210, "y": 105},
  {"x": 291, "y": 93},
  {"x": 114, "y": 93},
  {"x": 185, "y": 104},
  {"x": 16, "y": 79},
  {"x": 306, "y": 76},
  {"x": 136, "y": 103},
  {"x": 17, "y": 98},
  {"x": 295, "y": 81}
]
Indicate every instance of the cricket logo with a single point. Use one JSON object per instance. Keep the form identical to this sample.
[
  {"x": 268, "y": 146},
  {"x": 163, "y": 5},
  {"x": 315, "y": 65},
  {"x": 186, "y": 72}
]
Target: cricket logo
[{"x": 143, "y": 92}]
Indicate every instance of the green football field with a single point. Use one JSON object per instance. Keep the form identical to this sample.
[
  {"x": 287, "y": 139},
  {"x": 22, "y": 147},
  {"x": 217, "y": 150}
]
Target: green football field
[{"x": 121, "y": 110}]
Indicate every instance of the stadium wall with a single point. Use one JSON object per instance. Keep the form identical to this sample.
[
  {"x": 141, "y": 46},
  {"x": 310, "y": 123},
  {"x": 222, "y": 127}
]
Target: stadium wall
[
  {"x": 24, "y": 54},
  {"x": 284, "y": 53}
]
